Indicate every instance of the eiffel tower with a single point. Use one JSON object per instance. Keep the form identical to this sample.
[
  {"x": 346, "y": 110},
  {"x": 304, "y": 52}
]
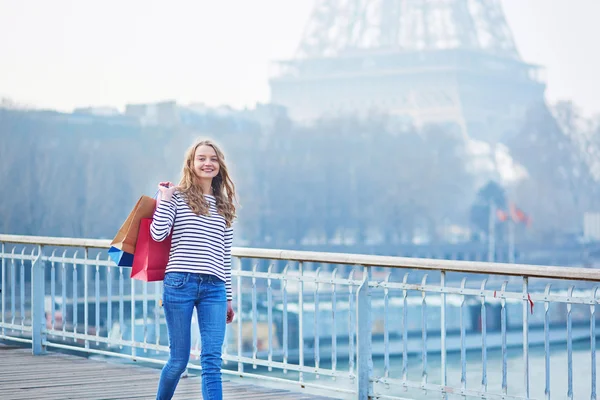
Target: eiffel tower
[{"x": 447, "y": 62}]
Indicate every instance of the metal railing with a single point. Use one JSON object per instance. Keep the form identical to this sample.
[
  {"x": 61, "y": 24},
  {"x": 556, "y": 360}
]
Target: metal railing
[{"x": 355, "y": 326}]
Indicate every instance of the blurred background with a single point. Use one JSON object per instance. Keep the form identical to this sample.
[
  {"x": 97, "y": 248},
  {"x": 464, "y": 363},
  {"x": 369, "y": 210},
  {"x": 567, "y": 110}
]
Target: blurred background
[{"x": 463, "y": 129}]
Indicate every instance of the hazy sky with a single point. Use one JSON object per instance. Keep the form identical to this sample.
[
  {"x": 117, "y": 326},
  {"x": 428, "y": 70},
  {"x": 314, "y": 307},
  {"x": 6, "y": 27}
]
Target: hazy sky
[{"x": 66, "y": 53}]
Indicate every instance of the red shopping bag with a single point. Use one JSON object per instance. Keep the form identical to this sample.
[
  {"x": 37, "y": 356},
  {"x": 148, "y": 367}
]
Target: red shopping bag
[{"x": 151, "y": 257}]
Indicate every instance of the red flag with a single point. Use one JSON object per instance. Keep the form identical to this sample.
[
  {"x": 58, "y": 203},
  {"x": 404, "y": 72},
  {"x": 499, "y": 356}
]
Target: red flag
[
  {"x": 519, "y": 215},
  {"x": 501, "y": 215}
]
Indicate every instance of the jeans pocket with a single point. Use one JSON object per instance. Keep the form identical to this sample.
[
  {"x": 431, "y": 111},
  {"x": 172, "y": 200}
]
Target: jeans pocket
[
  {"x": 216, "y": 281},
  {"x": 175, "y": 280}
]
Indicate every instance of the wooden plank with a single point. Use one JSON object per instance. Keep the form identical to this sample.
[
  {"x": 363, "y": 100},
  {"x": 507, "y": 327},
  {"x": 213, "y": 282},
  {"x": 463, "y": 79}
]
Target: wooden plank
[
  {"x": 57, "y": 376},
  {"x": 72, "y": 381}
]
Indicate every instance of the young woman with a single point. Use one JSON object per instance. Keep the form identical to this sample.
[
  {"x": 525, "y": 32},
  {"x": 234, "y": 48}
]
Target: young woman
[{"x": 200, "y": 212}]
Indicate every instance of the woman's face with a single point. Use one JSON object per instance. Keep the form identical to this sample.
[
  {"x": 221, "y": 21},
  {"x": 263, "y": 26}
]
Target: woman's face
[{"x": 206, "y": 162}]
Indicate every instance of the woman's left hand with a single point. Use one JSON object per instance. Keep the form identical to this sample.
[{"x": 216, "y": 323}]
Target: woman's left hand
[{"x": 230, "y": 312}]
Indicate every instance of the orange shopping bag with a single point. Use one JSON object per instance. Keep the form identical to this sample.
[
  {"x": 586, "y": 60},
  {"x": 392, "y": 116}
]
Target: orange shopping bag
[{"x": 122, "y": 247}]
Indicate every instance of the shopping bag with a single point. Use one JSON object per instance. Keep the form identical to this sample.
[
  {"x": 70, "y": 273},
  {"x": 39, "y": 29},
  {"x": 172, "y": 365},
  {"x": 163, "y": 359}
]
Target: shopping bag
[
  {"x": 150, "y": 257},
  {"x": 122, "y": 248},
  {"x": 121, "y": 258}
]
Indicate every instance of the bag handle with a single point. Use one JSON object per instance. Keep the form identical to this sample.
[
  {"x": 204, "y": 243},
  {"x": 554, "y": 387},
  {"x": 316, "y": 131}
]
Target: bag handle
[{"x": 157, "y": 197}]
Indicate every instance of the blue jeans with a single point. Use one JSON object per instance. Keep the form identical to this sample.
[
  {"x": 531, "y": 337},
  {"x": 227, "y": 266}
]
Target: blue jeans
[{"x": 183, "y": 292}]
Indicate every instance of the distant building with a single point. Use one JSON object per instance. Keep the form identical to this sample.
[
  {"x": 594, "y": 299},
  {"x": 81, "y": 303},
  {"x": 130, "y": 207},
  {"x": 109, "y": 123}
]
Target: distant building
[
  {"x": 265, "y": 115},
  {"x": 10, "y": 104},
  {"x": 97, "y": 111},
  {"x": 162, "y": 113}
]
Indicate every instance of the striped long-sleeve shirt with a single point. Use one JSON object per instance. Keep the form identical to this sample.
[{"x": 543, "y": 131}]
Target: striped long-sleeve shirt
[{"x": 200, "y": 244}]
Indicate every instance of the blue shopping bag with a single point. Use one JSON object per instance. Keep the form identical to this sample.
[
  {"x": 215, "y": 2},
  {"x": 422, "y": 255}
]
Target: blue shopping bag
[{"x": 120, "y": 257}]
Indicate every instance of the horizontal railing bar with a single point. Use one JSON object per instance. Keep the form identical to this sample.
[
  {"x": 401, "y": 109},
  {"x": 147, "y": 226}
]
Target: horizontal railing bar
[
  {"x": 58, "y": 259},
  {"x": 198, "y": 367},
  {"x": 165, "y": 349},
  {"x": 390, "y": 397},
  {"x": 484, "y": 268},
  {"x": 21, "y": 257},
  {"x": 103, "y": 299},
  {"x": 535, "y": 296},
  {"x": 56, "y": 241},
  {"x": 334, "y": 388},
  {"x": 81, "y": 261},
  {"x": 474, "y": 267},
  {"x": 103, "y": 339},
  {"x": 297, "y": 278},
  {"x": 448, "y": 389},
  {"x": 15, "y": 339},
  {"x": 341, "y": 281},
  {"x": 489, "y": 293},
  {"x": 286, "y": 366},
  {"x": 104, "y": 352},
  {"x": 15, "y": 327}
]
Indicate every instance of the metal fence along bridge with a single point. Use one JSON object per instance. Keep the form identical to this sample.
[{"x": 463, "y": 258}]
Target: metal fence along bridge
[{"x": 332, "y": 324}]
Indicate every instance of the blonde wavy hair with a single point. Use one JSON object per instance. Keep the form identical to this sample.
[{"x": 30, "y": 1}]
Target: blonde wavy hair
[{"x": 222, "y": 185}]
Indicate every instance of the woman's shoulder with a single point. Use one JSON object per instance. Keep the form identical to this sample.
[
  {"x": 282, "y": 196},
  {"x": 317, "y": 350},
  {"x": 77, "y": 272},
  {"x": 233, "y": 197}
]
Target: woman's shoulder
[{"x": 178, "y": 197}]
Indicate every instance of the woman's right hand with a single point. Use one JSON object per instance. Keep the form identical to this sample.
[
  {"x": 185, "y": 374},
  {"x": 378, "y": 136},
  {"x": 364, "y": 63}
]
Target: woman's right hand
[{"x": 166, "y": 190}]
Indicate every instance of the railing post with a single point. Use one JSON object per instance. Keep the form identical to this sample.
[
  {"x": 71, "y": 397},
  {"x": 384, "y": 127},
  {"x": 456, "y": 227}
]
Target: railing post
[
  {"x": 365, "y": 356},
  {"x": 38, "y": 318}
]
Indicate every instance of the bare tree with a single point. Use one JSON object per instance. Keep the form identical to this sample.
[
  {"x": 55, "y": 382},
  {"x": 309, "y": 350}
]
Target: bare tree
[{"x": 560, "y": 185}]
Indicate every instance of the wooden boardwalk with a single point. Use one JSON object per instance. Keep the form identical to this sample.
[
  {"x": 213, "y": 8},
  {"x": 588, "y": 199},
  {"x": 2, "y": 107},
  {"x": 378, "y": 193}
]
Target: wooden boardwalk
[{"x": 56, "y": 376}]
